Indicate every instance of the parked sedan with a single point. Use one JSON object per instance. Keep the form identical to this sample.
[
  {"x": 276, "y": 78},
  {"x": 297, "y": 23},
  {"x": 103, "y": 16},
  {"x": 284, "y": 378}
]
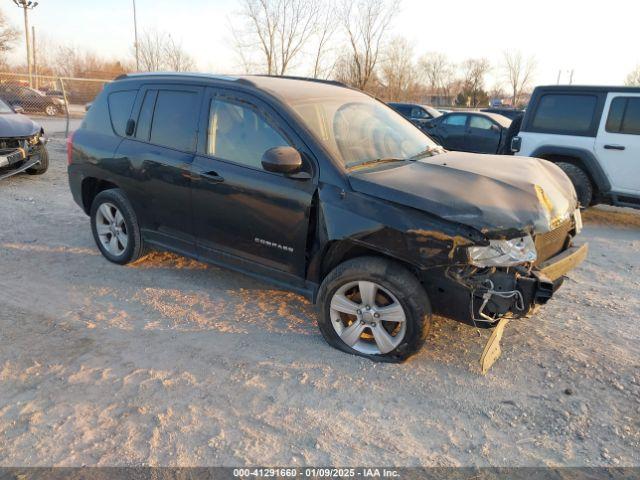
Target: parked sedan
[
  {"x": 476, "y": 132},
  {"x": 417, "y": 114},
  {"x": 22, "y": 144},
  {"x": 31, "y": 100}
]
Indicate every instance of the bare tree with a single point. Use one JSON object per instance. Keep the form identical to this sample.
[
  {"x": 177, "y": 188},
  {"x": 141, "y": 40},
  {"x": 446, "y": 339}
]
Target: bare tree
[
  {"x": 151, "y": 50},
  {"x": 8, "y": 36},
  {"x": 366, "y": 22},
  {"x": 326, "y": 28},
  {"x": 176, "y": 58},
  {"x": 438, "y": 72},
  {"x": 633, "y": 79},
  {"x": 473, "y": 72},
  {"x": 158, "y": 51},
  {"x": 518, "y": 72},
  {"x": 398, "y": 70},
  {"x": 279, "y": 29}
]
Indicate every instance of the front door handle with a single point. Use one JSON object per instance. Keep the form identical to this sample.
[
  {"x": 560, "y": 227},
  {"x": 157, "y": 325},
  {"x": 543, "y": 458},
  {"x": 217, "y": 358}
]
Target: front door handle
[
  {"x": 212, "y": 176},
  {"x": 614, "y": 147}
]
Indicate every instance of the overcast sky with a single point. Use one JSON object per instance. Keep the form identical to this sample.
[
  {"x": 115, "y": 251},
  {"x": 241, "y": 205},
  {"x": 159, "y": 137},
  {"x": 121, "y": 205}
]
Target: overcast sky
[{"x": 599, "y": 40}]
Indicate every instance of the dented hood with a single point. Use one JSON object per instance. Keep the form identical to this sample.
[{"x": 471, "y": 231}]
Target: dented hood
[
  {"x": 16, "y": 125},
  {"x": 492, "y": 193}
]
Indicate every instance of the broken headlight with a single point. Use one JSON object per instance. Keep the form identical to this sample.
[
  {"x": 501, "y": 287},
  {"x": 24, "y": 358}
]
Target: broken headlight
[{"x": 504, "y": 253}]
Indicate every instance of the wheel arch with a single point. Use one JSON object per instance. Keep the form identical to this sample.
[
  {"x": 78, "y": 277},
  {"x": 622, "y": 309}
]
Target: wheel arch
[
  {"x": 339, "y": 251},
  {"x": 92, "y": 186},
  {"x": 579, "y": 157}
]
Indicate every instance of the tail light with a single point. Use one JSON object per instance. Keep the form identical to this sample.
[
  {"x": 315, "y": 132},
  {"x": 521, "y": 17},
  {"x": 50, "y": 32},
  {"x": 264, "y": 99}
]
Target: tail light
[{"x": 70, "y": 148}]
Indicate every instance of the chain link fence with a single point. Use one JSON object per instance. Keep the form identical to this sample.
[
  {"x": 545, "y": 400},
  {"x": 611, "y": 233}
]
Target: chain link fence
[{"x": 58, "y": 102}]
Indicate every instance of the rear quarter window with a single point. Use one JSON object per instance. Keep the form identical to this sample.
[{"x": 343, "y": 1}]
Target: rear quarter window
[
  {"x": 120, "y": 107},
  {"x": 97, "y": 118},
  {"x": 569, "y": 114}
]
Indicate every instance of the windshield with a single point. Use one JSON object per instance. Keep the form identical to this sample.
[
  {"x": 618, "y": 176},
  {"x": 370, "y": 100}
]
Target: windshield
[
  {"x": 359, "y": 130},
  {"x": 4, "y": 108}
]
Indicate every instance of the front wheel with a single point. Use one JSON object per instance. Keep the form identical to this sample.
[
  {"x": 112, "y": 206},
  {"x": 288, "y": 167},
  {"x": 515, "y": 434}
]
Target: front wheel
[
  {"x": 375, "y": 308},
  {"x": 43, "y": 165}
]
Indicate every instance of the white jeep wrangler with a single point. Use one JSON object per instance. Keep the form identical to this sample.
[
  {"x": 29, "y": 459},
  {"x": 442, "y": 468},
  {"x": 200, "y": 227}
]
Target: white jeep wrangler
[{"x": 593, "y": 134}]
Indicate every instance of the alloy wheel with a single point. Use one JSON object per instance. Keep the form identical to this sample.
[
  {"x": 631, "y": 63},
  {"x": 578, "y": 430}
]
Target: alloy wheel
[
  {"x": 111, "y": 229},
  {"x": 368, "y": 317}
]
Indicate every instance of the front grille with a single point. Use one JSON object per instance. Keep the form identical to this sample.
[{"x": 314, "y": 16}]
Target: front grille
[
  {"x": 10, "y": 143},
  {"x": 553, "y": 242}
]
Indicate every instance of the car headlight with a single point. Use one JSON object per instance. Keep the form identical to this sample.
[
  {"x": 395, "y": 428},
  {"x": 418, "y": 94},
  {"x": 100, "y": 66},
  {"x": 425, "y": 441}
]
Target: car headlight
[{"x": 504, "y": 253}]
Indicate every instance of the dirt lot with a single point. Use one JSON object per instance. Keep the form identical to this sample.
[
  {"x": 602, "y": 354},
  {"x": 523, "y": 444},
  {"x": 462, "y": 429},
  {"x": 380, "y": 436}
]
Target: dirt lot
[{"x": 172, "y": 362}]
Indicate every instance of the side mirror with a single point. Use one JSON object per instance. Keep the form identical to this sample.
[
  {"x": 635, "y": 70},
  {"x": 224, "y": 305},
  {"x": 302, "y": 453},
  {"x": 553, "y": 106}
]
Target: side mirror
[
  {"x": 18, "y": 109},
  {"x": 282, "y": 160},
  {"x": 495, "y": 128},
  {"x": 428, "y": 123}
]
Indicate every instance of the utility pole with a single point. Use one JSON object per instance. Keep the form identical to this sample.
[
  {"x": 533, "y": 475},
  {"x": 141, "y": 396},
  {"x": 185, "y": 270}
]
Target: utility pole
[
  {"x": 571, "y": 78},
  {"x": 35, "y": 63},
  {"x": 27, "y": 5},
  {"x": 135, "y": 32}
]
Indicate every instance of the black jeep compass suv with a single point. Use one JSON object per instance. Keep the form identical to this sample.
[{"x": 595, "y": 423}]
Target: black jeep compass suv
[{"x": 323, "y": 190}]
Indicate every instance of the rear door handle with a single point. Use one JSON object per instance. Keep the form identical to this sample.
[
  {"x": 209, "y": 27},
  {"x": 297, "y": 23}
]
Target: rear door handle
[
  {"x": 212, "y": 176},
  {"x": 614, "y": 147}
]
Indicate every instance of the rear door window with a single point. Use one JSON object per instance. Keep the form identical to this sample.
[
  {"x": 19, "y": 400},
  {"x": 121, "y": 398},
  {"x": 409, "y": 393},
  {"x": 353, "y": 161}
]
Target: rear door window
[
  {"x": 456, "y": 120},
  {"x": 120, "y": 106},
  {"x": 480, "y": 122},
  {"x": 175, "y": 120},
  {"x": 565, "y": 113},
  {"x": 624, "y": 116}
]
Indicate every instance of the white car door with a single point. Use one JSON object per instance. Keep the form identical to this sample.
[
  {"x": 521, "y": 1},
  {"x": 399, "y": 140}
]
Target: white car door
[{"x": 618, "y": 142}]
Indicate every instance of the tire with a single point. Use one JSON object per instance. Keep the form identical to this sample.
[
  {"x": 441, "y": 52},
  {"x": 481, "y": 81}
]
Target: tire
[
  {"x": 41, "y": 167},
  {"x": 581, "y": 182},
  {"x": 395, "y": 285},
  {"x": 51, "y": 110},
  {"x": 115, "y": 201}
]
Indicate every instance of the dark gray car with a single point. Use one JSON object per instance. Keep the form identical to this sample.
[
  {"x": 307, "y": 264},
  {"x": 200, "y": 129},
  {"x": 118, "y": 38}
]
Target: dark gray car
[
  {"x": 22, "y": 144},
  {"x": 475, "y": 132}
]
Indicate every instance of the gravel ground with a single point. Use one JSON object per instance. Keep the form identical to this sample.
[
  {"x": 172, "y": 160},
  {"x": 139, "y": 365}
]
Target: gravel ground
[{"x": 172, "y": 362}]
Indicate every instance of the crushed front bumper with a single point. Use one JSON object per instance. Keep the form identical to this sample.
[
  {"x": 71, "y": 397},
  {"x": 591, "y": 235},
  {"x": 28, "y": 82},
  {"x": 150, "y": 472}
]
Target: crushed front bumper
[
  {"x": 557, "y": 266},
  {"x": 481, "y": 298},
  {"x": 16, "y": 165}
]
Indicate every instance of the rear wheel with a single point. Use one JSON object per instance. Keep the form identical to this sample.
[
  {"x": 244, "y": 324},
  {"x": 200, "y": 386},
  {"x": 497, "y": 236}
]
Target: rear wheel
[
  {"x": 43, "y": 165},
  {"x": 374, "y": 308},
  {"x": 581, "y": 182},
  {"x": 115, "y": 227}
]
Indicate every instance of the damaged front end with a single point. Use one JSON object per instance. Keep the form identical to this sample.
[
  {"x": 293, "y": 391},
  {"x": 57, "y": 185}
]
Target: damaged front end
[
  {"x": 509, "y": 278},
  {"x": 18, "y": 154}
]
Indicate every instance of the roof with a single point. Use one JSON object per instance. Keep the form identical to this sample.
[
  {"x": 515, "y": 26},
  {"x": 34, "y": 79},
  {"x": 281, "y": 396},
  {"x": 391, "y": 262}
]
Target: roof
[
  {"x": 289, "y": 88},
  {"x": 591, "y": 88}
]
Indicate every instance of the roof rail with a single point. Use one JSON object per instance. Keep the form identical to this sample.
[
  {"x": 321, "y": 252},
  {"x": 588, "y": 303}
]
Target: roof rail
[{"x": 308, "y": 79}]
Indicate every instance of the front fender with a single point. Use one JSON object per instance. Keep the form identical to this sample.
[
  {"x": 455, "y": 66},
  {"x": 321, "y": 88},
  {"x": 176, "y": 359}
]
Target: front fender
[{"x": 396, "y": 231}]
